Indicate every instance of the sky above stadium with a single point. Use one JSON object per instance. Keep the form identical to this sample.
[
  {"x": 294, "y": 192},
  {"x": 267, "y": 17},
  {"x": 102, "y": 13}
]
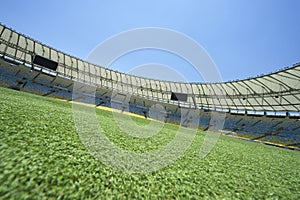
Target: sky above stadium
[{"x": 243, "y": 38}]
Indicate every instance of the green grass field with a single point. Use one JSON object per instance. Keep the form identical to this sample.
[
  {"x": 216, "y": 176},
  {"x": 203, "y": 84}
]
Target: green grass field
[{"x": 42, "y": 157}]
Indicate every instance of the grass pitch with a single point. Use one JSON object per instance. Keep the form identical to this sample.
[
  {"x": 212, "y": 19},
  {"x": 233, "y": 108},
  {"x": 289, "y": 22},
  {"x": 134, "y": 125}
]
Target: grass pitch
[{"x": 42, "y": 157}]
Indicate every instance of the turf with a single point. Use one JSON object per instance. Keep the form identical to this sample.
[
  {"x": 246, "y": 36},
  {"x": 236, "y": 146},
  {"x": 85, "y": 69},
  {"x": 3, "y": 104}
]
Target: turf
[{"x": 42, "y": 157}]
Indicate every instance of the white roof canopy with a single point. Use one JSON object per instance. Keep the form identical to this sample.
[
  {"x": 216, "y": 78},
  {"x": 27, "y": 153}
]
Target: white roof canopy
[{"x": 279, "y": 91}]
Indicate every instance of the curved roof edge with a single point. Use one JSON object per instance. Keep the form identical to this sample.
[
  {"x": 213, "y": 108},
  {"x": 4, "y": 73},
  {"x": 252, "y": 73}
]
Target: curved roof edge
[{"x": 230, "y": 81}]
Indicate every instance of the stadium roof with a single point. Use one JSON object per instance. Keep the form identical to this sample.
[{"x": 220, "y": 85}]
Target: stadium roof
[{"x": 278, "y": 91}]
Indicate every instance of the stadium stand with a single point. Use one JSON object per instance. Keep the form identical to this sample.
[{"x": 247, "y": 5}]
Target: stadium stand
[{"x": 251, "y": 105}]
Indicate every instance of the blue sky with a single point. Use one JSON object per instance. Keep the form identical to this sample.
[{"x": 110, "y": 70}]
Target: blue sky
[{"x": 244, "y": 38}]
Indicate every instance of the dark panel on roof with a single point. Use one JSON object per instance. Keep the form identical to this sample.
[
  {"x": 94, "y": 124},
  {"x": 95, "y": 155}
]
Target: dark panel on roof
[
  {"x": 44, "y": 62},
  {"x": 178, "y": 96}
]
